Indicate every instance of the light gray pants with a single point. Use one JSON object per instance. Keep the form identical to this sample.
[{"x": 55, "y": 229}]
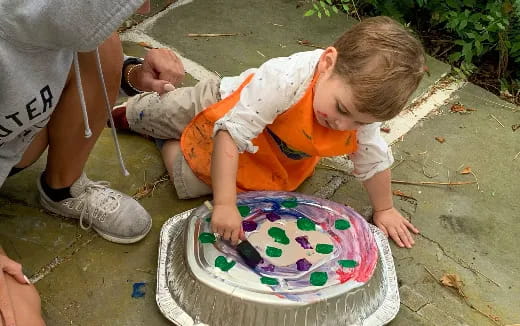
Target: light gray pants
[{"x": 166, "y": 116}]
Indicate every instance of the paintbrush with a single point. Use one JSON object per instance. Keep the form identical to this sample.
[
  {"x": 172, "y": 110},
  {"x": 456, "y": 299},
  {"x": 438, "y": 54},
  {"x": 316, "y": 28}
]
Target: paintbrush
[{"x": 244, "y": 248}]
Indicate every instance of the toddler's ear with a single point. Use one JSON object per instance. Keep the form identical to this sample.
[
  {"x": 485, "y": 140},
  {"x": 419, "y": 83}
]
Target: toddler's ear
[{"x": 328, "y": 60}]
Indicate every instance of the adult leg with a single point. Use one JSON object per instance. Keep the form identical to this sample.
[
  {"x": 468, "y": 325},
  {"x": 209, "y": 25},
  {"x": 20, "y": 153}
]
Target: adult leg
[
  {"x": 25, "y": 301},
  {"x": 64, "y": 188},
  {"x": 65, "y": 129},
  {"x": 65, "y": 132}
]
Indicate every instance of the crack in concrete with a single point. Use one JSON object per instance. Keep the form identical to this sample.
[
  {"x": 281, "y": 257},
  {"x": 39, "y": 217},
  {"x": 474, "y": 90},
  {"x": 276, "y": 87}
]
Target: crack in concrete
[
  {"x": 328, "y": 190},
  {"x": 58, "y": 260},
  {"x": 461, "y": 262},
  {"x": 421, "y": 307},
  {"x": 415, "y": 310}
]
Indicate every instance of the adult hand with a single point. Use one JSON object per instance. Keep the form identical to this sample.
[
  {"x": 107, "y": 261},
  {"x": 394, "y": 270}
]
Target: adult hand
[
  {"x": 393, "y": 224},
  {"x": 15, "y": 270},
  {"x": 160, "y": 72},
  {"x": 227, "y": 222}
]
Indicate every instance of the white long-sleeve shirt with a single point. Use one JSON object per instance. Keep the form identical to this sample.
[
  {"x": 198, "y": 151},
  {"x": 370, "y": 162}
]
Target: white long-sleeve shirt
[{"x": 276, "y": 86}]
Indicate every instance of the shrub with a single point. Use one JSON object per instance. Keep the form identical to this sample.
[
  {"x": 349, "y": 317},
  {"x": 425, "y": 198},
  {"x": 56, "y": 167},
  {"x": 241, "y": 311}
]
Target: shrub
[{"x": 477, "y": 28}]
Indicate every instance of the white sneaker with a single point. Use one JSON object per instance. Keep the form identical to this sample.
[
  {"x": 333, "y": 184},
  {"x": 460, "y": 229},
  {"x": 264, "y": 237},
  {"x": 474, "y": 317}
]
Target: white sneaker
[{"x": 115, "y": 216}]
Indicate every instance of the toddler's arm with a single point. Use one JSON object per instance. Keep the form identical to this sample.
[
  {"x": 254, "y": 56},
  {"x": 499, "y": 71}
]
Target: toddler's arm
[
  {"x": 386, "y": 217},
  {"x": 225, "y": 219}
]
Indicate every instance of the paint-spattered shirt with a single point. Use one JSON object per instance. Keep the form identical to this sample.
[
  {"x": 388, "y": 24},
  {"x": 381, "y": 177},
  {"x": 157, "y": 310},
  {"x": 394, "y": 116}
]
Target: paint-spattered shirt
[{"x": 276, "y": 86}]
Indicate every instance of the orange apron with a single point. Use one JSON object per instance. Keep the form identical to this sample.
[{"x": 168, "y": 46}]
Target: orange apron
[{"x": 288, "y": 149}]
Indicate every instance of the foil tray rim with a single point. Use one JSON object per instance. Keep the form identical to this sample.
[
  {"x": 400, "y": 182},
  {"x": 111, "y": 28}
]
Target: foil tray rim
[{"x": 171, "y": 310}]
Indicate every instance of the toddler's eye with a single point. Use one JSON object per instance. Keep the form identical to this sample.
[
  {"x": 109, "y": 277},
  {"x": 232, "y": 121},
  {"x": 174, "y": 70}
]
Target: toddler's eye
[{"x": 342, "y": 110}]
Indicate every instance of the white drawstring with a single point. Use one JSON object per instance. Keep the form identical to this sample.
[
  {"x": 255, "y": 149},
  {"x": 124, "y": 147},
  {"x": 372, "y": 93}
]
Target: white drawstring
[
  {"x": 109, "y": 111},
  {"x": 88, "y": 132}
]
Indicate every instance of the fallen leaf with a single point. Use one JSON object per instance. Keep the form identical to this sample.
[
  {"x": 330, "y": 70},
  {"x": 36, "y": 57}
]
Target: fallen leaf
[
  {"x": 303, "y": 42},
  {"x": 145, "y": 45},
  {"x": 453, "y": 281},
  {"x": 457, "y": 108},
  {"x": 385, "y": 129},
  {"x": 515, "y": 127},
  {"x": 466, "y": 170},
  {"x": 460, "y": 108},
  {"x": 440, "y": 139}
]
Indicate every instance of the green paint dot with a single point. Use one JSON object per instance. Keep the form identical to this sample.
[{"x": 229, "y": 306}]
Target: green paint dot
[
  {"x": 348, "y": 263},
  {"x": 324, "y": 248},
  {"x": 269, "y": 280},
  {"x": 305, "y": 224},
  {"x": 244, "y": 210},
  {"x": 208, "y": 219},
  {"x": 319, "y": 278},
  {"x": 278, "y": 235},
  {"x": 290, "y": 203},
  {"x": 222, "y": 263},
  {"x": 206, "y": 237},
  {"x": 341, "y": 224},
  {"x": 273, "y": 252}
]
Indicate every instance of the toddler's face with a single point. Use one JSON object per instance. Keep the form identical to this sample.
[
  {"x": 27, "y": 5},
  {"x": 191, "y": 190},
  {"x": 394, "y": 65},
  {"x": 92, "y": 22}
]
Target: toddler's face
[{"x": 333, "y": 106}]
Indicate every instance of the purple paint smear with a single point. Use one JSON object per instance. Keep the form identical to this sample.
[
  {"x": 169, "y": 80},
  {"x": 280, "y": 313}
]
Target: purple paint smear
[
  {"x": 249, "y": 226},
  {"x": 272, "y": 217},
  {"x": 303, "y": 264},
  {"x": 268, "y": 268},
  {"x": 304, "y": 242}
]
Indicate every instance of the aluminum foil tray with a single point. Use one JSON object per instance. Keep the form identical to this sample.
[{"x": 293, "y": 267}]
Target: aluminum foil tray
[{"x": 191, "y": 290}]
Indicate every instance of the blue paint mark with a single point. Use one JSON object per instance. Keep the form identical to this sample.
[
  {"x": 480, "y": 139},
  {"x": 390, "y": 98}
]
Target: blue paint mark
[
  {"x": 138, "y": 290},
  {"x": 141, "y": 115}
]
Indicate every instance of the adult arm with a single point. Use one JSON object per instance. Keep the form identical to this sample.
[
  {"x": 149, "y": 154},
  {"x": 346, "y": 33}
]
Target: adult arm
[
  {"x": 19, "y": 301},
  {"x": 159, "y": 72}
]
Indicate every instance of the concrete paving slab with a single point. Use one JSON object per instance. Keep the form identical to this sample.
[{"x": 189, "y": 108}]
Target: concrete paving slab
[{"x": 470, "y": 231}]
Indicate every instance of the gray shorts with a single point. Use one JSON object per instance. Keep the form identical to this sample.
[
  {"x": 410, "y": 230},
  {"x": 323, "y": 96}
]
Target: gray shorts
[{"x": 165, "y": 117}]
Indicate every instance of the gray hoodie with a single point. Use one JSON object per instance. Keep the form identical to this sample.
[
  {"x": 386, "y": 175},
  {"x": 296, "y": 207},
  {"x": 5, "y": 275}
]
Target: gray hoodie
[{"x": 38, "y": 39}]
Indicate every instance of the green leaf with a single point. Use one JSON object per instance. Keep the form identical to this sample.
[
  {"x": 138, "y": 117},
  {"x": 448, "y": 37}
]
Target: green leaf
[
  {"x": 346, "y": 7},
  {"x": 453, "y": 4},
  {"x": 455, "y": 56},
  {"x": 467, "y": 52},
  {"x": 323, "y": 4},
  {"x": 316, "y": 7},
  {"x": 515, "y": 47},
  {"x": 329, "y": 2},
  {"x": 335, "y": 9},
  {"x": 479, "y": 47},
  {"x": 309, "y": 12},
  {"x": 319, "y": 14},
  {"x": 327, "y": 12}
]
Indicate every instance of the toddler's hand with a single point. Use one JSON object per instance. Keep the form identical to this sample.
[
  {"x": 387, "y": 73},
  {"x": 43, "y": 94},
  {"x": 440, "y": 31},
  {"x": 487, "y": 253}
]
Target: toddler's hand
[
  {"x": 227, "y": 222},
  {"x": 393, "y": 224}
]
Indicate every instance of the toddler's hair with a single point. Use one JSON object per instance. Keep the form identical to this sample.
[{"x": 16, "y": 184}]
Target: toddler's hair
[{"x": 383, "y": 64}]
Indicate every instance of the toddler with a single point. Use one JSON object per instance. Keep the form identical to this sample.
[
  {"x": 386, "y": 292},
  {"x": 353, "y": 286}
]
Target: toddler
[{"x": 267, "y": 128}]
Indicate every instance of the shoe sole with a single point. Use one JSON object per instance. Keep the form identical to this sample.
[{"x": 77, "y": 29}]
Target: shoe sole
[{"x": 44, "y": 199}]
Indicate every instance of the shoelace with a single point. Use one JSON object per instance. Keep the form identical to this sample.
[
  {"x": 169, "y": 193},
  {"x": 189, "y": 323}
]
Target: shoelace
[{"x": 96, "y": 202}]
